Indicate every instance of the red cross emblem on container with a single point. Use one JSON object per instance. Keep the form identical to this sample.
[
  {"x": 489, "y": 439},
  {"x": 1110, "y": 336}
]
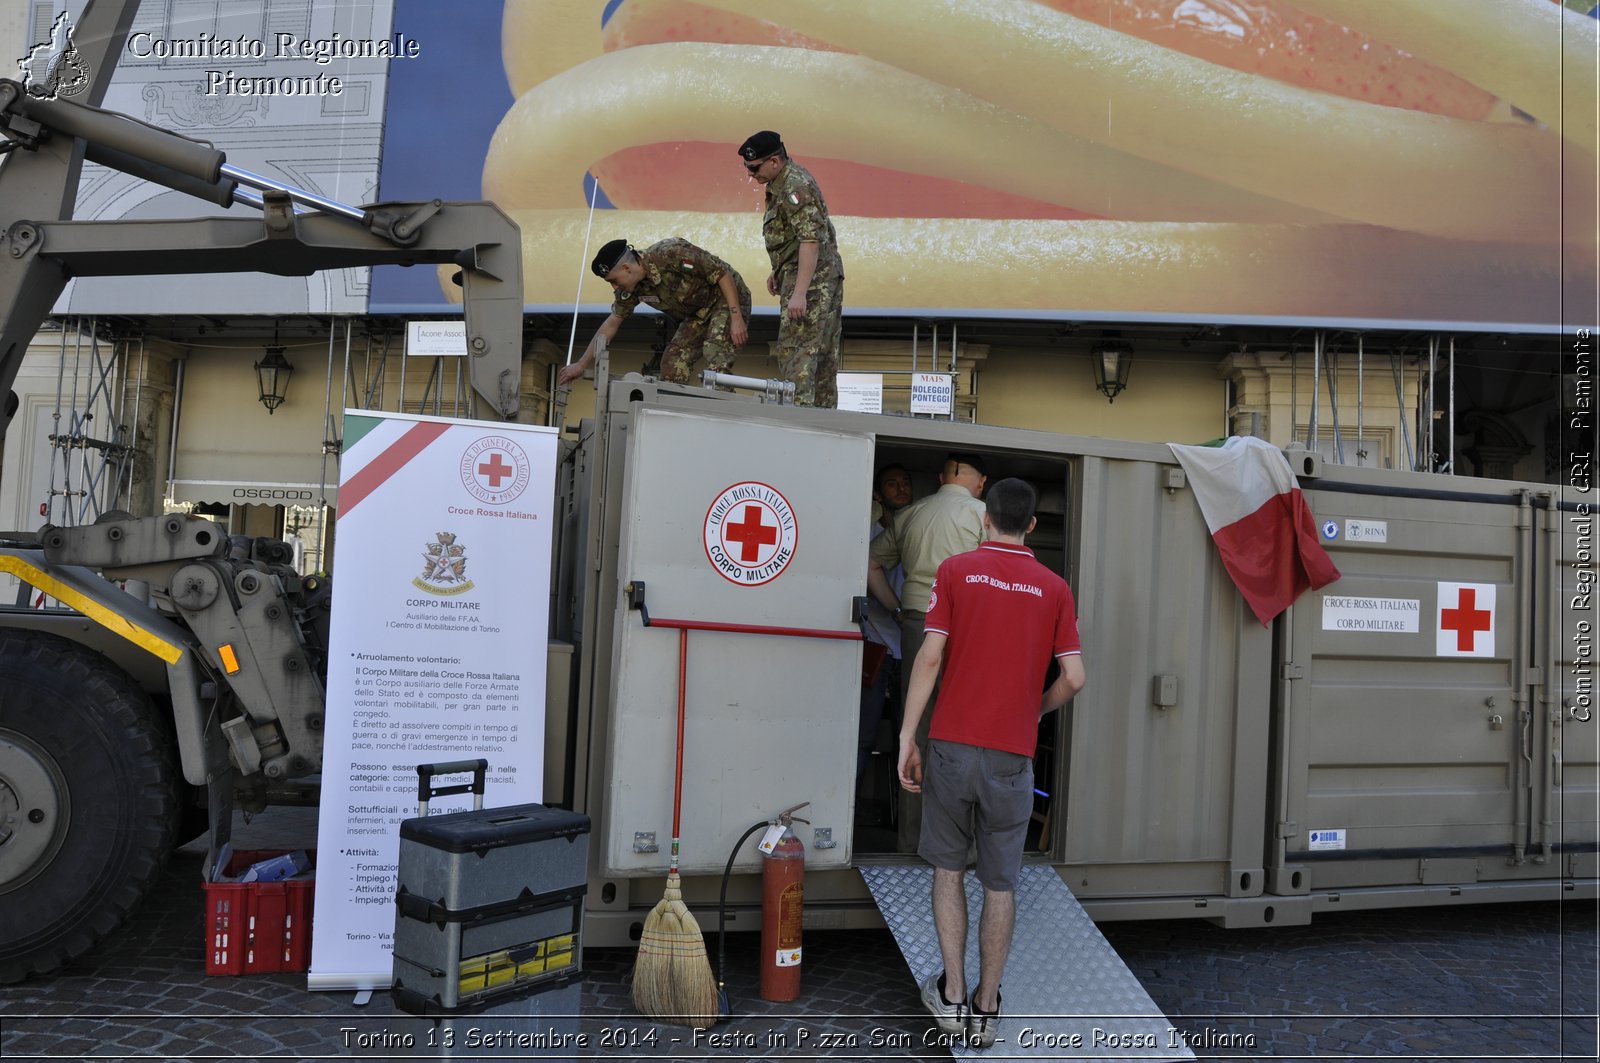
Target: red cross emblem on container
[
  {"x": 750, "y": 533},
  {"x": 1466, "y": 621},
  {"x": 494, "y": 469}
]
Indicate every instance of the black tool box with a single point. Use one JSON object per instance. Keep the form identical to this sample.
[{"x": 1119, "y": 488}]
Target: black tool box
[{"x": 489, "y": 905}]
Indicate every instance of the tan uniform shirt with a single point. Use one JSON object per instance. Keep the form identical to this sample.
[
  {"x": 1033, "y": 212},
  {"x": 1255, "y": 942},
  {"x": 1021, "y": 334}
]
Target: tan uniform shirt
[{"x": 947, "y": 522}]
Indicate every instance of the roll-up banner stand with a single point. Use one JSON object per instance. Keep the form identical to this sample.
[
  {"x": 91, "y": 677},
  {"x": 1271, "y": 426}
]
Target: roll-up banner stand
[{"x": 437, "y": 652}]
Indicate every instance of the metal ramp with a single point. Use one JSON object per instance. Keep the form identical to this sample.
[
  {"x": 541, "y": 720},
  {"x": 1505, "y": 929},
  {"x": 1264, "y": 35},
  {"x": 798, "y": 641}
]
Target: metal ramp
[{"x": 1068, "y": 995}]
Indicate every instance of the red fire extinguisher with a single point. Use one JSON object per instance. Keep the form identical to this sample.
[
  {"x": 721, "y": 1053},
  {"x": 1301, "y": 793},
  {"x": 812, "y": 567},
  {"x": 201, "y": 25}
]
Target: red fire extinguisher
[{"x": 782, "y": 900}]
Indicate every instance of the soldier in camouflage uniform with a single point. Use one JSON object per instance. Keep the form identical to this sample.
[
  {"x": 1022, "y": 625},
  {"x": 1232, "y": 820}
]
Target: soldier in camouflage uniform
[
  {"x": 807, "y": 274},
  {"x": 703, "y": 294}
]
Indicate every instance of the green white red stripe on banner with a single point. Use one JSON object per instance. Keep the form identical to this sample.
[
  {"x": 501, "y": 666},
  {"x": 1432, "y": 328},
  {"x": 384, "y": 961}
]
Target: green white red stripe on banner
[{"x": 383, "y": 465}]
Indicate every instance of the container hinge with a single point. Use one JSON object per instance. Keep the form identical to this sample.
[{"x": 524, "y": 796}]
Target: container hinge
[
  {"x": 598, "y": 561},
  {"x": 645, "y": 842},
  {"x": 1290, "y": 670},
  {"x": 1287, "y": 829},
  {"x": 822, "y": 838}
]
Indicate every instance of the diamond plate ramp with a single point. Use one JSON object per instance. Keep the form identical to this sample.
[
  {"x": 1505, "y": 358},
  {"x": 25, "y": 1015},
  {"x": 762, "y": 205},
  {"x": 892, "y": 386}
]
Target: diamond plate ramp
[{"x": 1068, "y": 995}]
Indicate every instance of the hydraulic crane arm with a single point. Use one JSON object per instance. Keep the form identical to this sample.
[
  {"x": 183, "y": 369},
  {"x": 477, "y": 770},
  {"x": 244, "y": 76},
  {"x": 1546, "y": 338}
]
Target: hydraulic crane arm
[{"x": 295, "y": 232}]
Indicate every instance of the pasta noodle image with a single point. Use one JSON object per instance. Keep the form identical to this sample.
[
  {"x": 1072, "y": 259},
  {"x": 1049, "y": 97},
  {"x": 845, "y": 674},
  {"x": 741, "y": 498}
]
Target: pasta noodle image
[{"x": 1340, "y": 160}]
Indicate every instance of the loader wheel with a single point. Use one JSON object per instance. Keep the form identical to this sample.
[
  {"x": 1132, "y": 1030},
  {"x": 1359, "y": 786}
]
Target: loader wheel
[{"x": 87, "y": 800}]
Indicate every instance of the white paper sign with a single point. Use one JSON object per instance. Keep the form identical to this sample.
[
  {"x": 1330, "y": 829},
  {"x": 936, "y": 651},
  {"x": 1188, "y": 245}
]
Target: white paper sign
[
  {"x": 932, "y": 392},
  {"x": 434, "y": 339},
  {"x": 1347, "y": 613},
  {"x": 861, "y": 392},
  {"x": 437, "y": 652}
]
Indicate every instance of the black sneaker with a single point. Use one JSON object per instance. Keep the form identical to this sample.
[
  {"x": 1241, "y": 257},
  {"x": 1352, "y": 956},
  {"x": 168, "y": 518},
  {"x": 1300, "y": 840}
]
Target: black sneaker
[
  {"x": 951, "y": 1018},
  {"x": 982, "y": 1026}
]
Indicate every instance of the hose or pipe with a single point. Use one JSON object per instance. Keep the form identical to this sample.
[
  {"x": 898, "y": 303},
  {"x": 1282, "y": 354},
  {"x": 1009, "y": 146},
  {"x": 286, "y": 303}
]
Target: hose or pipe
[
  {"x": 722, "y": 914},
  {"x": 299, "y": 195}
]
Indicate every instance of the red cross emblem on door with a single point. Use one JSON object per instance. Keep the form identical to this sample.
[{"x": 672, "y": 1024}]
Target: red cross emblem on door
[
  {"x": 750, "y": 533},
  {"x": 1466, "y": 620}
]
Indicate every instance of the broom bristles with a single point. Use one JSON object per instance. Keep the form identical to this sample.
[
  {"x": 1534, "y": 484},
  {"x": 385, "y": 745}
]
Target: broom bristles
[{"x": 672, "y": 980}]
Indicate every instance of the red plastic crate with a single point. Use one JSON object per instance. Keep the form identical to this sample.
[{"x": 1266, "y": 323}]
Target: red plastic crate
[{"x": 254, "y": 927}]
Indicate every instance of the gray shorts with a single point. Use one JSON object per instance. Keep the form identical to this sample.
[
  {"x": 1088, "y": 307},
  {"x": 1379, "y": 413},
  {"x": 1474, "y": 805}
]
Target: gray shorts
[{"x": 971, "y": 794}]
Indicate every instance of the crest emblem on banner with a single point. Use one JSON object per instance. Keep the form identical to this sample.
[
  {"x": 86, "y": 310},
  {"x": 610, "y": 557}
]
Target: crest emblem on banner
[
  {"x": 444, "y": 566},
  {"x": 494, "y": 469}
]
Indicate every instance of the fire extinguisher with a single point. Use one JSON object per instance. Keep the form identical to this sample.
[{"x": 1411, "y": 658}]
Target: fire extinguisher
[{"x": 782, "y": 901}]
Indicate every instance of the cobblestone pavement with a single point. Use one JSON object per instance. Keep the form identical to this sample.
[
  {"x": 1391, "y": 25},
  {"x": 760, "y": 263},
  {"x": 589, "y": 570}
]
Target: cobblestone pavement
[{"x": 1475, "y": 982}]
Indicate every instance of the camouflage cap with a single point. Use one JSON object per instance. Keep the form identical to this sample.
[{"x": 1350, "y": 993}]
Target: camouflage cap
[
  {"x": 609, "y": 256},
  {"x": 760, "y": 145}
]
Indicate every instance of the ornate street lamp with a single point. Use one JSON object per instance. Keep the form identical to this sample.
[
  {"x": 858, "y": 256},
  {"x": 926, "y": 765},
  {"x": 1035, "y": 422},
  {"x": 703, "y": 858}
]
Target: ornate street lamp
[
  {"x": 272, "y": 378},
  {"x": 1111, "y": 360}
]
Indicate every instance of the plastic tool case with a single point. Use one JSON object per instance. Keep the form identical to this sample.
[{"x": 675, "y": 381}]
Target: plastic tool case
[{"x": 490, "y": 902}]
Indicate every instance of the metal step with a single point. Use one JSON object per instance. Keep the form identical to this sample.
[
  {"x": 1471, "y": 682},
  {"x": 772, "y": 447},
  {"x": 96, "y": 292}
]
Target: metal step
[{"x": 1067, "y": 994}]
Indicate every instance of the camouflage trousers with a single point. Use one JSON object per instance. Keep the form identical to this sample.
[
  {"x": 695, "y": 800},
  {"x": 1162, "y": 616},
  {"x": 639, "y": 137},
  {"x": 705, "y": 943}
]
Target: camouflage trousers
[
  {"x": 706, "y": 336},
  {"x": 808, "y": 349}
]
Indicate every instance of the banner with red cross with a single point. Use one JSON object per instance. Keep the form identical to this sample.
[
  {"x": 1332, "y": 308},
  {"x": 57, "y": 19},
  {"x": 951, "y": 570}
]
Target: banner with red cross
[{"x": 1465, "y": 620}]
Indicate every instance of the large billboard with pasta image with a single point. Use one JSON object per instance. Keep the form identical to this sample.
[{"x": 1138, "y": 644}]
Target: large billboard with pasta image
[{"x": 1362, "y": 162}]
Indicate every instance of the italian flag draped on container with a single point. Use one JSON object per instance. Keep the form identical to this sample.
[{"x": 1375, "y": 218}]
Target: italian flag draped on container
[{"x": 1259, "y": 521}]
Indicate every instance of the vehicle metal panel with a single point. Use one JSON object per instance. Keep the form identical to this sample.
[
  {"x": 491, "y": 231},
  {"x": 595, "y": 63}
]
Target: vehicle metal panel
[
  {"x": 1171, "y": 793},
  {"x": 1410, "y": 752},
  {"x": 770, "y": 720}
]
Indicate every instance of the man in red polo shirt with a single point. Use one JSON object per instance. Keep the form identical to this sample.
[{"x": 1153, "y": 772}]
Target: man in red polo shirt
[{"x": 1003, "y": 617}]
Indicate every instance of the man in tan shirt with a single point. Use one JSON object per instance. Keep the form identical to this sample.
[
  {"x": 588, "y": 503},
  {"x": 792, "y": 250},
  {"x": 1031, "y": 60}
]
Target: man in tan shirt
[{"x": 947, "y": 522}]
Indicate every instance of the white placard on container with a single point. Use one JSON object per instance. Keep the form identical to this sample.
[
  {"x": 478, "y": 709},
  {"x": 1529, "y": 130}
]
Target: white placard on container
[
  {"x": 1343, "y": 612},
  {"x": 1366, "y": 531},
  {"x": 1324, "y": 840}
]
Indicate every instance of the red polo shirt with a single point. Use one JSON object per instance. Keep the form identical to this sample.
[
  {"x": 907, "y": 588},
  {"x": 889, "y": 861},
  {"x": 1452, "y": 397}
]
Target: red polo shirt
[{"x": 1005, "y": 616}]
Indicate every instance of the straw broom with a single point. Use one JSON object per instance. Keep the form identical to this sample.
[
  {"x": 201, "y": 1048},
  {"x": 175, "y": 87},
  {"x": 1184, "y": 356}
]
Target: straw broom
[{"x": 672, "y": 979}]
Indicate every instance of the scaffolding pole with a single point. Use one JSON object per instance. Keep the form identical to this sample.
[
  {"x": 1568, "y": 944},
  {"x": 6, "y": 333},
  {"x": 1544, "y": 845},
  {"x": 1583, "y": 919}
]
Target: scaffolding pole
[{"x": 1361, "y": 396}]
